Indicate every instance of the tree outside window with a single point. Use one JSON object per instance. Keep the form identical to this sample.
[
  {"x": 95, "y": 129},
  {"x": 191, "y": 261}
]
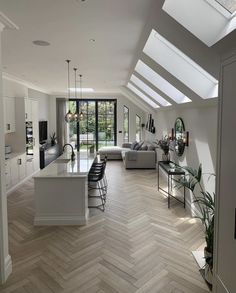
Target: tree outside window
[
  {"x": 126, "y": 125},
  {"x": 138, "y": 128}
]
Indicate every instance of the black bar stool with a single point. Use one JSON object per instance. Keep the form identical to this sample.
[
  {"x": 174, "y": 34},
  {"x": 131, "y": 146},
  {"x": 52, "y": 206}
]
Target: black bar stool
[{"x": 97, "y": 181}]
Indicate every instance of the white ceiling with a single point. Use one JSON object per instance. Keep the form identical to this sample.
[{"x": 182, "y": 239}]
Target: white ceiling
[{"x": 116, "y": 25}]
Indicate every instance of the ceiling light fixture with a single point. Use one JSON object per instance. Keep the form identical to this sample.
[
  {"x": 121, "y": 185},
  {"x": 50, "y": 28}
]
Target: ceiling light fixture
[
  {"x": 69, "y": 117},
  {"x": 41, "y": 43}
]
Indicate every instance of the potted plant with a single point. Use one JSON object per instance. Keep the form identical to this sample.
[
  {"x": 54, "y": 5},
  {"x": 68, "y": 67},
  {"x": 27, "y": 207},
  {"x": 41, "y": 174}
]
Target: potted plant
[
  {"x": 206, "y": 206},
  {"x": 164, "y": 144},
  {"x": 53, "y": 138}
]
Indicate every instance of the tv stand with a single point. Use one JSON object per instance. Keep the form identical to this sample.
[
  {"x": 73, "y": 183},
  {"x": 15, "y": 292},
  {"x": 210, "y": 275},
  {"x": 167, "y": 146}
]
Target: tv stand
[{"x": 48, "y": 153}]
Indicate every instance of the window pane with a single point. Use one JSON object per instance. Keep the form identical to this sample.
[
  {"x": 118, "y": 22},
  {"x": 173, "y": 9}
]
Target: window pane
[
  {"x": 138, "y": 128},
  {"x": 126, "y": 125}
]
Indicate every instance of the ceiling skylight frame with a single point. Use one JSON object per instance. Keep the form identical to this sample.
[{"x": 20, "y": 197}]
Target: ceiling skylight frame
[
  {"x": 162, "y": 84},
  {"x": 220, "y": 8},
  {"x": 216, "y": 21},
  {"x": 149, "y": 91},
  {"x": 142, "y": 96},
  {"x": 191, "y": 74}
]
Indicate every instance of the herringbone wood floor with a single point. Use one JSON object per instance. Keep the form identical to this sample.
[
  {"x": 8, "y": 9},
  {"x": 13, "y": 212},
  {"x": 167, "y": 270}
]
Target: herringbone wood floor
[{"x": 137, "y": 245}]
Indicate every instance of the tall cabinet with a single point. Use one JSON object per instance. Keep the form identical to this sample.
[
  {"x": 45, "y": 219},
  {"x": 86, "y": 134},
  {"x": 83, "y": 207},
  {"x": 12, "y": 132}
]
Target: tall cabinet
[
  {"x": 225, "y": 226},
  {"x": 31, "y": 118}
]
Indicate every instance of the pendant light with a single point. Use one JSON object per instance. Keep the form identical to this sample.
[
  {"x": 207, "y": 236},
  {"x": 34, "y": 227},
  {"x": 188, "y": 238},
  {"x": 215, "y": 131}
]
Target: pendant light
[
  {"x": 76, "y": 114},
  {"x": 81, "y": 115},
  {"x": 69, "y": 117}
]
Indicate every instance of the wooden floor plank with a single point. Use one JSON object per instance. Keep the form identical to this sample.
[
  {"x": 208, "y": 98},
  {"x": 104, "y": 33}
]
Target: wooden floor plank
[{"x": 136, "y": 245}]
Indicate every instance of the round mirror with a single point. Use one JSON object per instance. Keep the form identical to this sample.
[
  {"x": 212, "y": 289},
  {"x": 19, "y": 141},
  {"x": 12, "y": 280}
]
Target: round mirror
[{"x": 179, "y": 137}]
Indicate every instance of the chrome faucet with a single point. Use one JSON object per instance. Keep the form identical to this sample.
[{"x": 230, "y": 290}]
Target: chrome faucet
[{"x": 73, "y": 153}]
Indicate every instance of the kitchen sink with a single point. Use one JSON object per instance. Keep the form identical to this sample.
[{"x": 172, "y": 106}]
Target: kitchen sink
[{"x": 61, "y": 161}]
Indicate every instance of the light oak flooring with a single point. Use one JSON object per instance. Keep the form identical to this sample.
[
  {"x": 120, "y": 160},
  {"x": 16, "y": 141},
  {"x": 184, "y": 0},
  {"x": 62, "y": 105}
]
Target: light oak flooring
[{"x": 137, "y": 245}]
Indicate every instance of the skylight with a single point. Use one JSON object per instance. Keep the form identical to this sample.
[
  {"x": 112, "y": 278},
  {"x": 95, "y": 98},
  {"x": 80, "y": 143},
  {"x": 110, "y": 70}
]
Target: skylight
[
  {"x": 142, "y": 96},
  {"x": 161, "y": 83},
  {"x": 181, "y": 66},
  {"x": 149, "y": 91},
  {"x": 84, "y": 90},
  {"x": 229, "y": 5},
  {"x": 208, "y": 20}
]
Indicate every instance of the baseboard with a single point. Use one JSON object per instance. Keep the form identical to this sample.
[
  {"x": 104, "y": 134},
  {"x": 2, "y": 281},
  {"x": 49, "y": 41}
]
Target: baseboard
[
  {"x": 60, "y": 220},
  {"x": 7, "y": 269},
  {"x": 20, "y": 183}
]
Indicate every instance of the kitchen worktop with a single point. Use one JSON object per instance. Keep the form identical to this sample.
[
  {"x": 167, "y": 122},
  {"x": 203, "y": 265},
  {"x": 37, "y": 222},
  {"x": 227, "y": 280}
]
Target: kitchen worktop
[{"x": 63, "y": 167}]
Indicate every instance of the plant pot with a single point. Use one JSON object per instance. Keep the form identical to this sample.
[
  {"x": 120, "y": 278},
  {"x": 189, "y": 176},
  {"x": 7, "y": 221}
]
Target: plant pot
[
  {"x": 166, "y": 158},
  {"x": 53, "y": 142},
  {"x": 208, "y": 274},
  {"x": 208, "y": 270}
]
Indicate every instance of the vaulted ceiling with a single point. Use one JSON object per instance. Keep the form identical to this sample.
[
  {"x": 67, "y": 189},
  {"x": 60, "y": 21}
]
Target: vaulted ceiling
[{"x": 151, "y": 51}]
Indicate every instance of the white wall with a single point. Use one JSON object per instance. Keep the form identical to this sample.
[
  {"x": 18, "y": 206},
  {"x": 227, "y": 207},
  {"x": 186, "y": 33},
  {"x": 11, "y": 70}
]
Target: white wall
[
  {"x": 201, "y": 123},
  {"x": 43, "y": 102},
  {"x": 121, "y": 102}
]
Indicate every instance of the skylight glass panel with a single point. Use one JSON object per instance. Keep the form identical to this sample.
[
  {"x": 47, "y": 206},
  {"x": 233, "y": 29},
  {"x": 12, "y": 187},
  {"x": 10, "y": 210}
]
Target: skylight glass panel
[
  {"x": 144, "y": 87},
  {"x": 142, "y": 96},
  {"x": 159, "y": 82},
  {"x": 181, "y": 66},
  {"x": 229, "y": 5}
]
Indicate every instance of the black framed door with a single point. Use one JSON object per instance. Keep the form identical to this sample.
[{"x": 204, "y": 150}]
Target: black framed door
[{"x": 98, "y": 125}]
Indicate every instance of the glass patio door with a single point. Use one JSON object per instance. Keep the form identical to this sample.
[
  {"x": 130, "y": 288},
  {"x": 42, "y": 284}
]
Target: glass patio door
[
  {"x": 106, "y": 122},
  {"x": 96, "y": 128},
  {"x": 87, "y": 125}
]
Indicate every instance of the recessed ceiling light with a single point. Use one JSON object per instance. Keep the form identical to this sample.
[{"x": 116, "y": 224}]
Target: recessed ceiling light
[{"x": 41, "y": 43}]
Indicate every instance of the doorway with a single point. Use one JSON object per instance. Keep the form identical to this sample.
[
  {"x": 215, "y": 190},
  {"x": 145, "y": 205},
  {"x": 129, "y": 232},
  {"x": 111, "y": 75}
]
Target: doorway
[{"x": 97, "y": 125}]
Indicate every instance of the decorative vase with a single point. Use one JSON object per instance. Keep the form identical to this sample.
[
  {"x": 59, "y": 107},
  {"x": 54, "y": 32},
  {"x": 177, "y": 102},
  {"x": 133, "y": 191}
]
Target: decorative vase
[
  {"x": 53, "y": 142},
  {"x": 166, "y": 157}
]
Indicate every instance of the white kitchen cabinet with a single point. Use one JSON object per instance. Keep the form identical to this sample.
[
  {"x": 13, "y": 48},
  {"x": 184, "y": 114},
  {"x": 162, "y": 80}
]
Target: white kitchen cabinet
[
  {"x": 21, "y": 166},
  {"x": 14, "y": 171},
  {"x": 34, "y": 113},
  {"x": 28, "y": 110},
  {"x": 16, "y": 167},
  {"x": 9, "y": 115},
  {"x": 8, "y": 174}
]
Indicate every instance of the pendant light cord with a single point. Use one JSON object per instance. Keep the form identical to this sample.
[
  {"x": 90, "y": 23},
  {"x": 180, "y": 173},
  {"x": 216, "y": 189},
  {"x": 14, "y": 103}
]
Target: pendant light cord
[
  {"x": 81, "y": 86},
  {"x": 68, "y": 62},
  {"x": 75, "y": 69}
]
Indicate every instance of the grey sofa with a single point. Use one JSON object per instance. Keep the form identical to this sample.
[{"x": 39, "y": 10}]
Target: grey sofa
[
  {"x": 139, "y": 159},
  {"x": 133, "y": 159}
]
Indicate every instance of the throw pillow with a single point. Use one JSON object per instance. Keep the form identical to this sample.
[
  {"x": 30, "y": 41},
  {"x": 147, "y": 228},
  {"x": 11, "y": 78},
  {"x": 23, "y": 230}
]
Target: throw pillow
[
  {"x": 133, "y": 145},
  {"x": 144, "y": 148},
  {"x": 139, "y": 145},
  {"x": 151, "y": 148}
]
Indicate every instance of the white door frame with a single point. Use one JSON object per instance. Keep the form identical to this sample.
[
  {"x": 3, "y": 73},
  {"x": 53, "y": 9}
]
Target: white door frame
[{"x": 5, "y": 258}]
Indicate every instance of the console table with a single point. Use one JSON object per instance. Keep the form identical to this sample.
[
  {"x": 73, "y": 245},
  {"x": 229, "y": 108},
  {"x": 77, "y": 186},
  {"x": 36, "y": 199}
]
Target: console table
[{"x": 170, "y": 171}]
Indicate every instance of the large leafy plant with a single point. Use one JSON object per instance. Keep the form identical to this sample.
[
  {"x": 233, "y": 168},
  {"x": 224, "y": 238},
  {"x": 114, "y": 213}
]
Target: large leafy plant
[
  {"x": 164, "y": 144},
  {"x": 205, "y": 202}
]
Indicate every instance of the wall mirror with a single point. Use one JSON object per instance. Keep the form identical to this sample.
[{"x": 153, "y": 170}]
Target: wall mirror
[{"x": 179, "y": 136}]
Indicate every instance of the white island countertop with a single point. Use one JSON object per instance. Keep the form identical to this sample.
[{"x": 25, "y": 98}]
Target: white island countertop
[{"x": 63, "y": 167}]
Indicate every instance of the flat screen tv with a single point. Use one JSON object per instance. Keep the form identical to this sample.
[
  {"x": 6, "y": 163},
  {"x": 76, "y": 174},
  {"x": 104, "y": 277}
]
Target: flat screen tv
[{"x": 43, "y": 131}]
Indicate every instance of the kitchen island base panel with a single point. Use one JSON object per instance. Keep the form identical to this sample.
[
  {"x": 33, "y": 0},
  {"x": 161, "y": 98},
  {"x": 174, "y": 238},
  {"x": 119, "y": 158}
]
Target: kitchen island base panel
[
  {"x": 61, "y": 201},
  {"x": 60, "y": 220}
]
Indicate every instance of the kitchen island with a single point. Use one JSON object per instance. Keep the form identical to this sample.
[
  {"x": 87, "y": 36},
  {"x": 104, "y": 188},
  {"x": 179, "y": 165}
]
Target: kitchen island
[{"x": 61, "y": 191}]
